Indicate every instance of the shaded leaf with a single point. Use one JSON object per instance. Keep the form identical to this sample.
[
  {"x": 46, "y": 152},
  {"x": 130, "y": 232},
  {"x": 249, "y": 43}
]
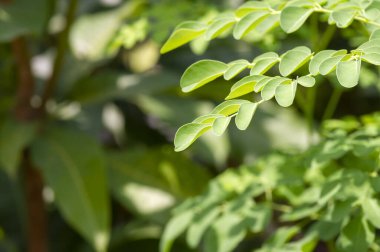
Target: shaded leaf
[
  {"x": 73, "y": 165},
  {"x": 318, "y": 59},
  {"x": 220, "y": 125},
  {"x": 285, "y": 93},
  {"x": 371, "y": 210},
  {"x": 348, "y": 73}
]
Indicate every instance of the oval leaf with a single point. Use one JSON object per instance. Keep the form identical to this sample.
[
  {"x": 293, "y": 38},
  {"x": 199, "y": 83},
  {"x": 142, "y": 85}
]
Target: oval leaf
[
  {"x": 306, "y": 81},
  {"x": 228, "y": 108},
  {"x": 244, "y": 115},
  {"x": 348, "y": 73},
  {"x": 285, "y": 94},
  {"x": 292, "y": 18},
  {"x": 234, "y": 68},
  {"x": 294, "y": 59},
  {"x": 270, "y": 88},
  {"x": 371, "y": 210},
  {"x": 188, "y": 133},
  {"x": 317, "y": 60},
  {"x": 219, "y": 26},
  {"x": 329, "y": 64},
  {"x": 220, "y": 125},
  {"x": 244, "y": 86},
  {"x": 183, "y": 34},
  {"x": 201, "y": 73},
  {"x": 248, "y": 23}
]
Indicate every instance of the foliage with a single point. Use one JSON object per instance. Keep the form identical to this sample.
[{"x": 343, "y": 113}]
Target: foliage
[{"x": 297, "y": 201}]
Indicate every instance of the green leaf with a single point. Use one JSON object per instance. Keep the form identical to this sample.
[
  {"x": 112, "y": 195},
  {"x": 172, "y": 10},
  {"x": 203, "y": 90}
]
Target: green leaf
[
  {"x": 207, "y": 119},
  {"x": 264, "y": 62},
  {"x": 306, "y": 81},
  {"x": 183, "y": 34},
  {"x": 161, "y": 179},
  {"x": 228, "y": 108},
  {"x": 328, "y": 65},
  {"x": 372, "y": 58},
  {"x": 269, "y": 89},
  {"x": 234, "y": 68},
  {"x": 73, "y": 165},
  {"x": 220, "y": 125},
  {"x": 348, "y": 73},
  {"x": 219, "y": 26},
  {"x": 15, "y": 137},
  {"x": 188, "y": 133},
  {"x": 244, "y": 115},
  {"x": 294, "y": 59},
  {"x": 226, "y": 233},
  {"x": 200, "y": 73},
  {"x": 292, "y": 18},
  {"x": 375, "y": 42},
  {"x": 22, "y": 17},
  {"x": 371, "y": 210},
  {"x": 318, "y": 59},
  {"x": 175, "y": 227},
  {"x": 244, "y": 86},
  {"x": 268, "y": 24},
  {"x": 200, "y": 224},
  {"x": 251, "y": 6},
  {"x": 285, "y": 93},
  {"x": 248, "y": 23},
  {"x": 375, "y": 35},
  {"x": 91, "y": 34},
  {"x": 356, "y": 236},
  {"x": 281, "y": 236},
  {"x": 262, "y": 83},
  {"x": 343, "y": 17}
]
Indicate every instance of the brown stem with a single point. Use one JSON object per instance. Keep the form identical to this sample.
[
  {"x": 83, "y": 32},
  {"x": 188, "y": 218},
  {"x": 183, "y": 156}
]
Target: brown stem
[
  {"x": 36, "y": 215},
  {"x": 23, "y": 110}
]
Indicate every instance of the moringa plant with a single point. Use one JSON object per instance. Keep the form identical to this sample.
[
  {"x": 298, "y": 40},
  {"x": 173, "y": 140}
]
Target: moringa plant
[{"x": 325, "y": 198}]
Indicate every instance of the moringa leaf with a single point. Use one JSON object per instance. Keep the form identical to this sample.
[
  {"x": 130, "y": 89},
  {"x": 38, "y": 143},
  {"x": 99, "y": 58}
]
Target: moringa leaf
[
  {"x": 220, "y": 125},
  {"x": 244, "y": 115},
  {"x": 251, "y": 6},
  {"x": 228, "y": 108},
  {"x": 264, "y": 62},
  {"x": 248, "y": 23},
  {"x": 201, "y": 73},
  {"x": 293, "y": 17},
  {"x": 294, "y": 59},
  {"x": 219, "y": 26},
  {"x": 285, "y": 93},
  {"x": 328, "y": 65},
  {"x": 188, "y": 133},
  {"x": 318, "y": 59},
  {"x": 371, "y": 210},
  {"x": 344, "y": 17},
  {"x": 244, "y": 86},
  {"x": 348, "y": 73},
  {"x": 269, "y": 89},
  {"x": 183, "y": 33},
  {"x": 306, "y": 81},
  {"x": 234, "y": 68}
]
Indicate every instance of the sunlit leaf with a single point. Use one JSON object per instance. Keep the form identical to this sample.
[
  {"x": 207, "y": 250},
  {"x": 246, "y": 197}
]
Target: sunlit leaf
[
  {"x": 292, "y": 18},
  {"x": 220, "y": 125},
  {"x": 306, "y": 81},
  {"x": 188, "y": 133},
  {"x": 183, "y": 34},
  {"x": 348, "y": 73},
  {"x": 248, "y": 23},
  {"x": 244, "y": 115},
  {"x": 234, "y": 68},
  {"x": 219, "y": 26},
  {"x": 285, "y": 93},
  {"x": 201, "y": 73},
  {"x": 318, "y": 59},
  {"x": 244, "y": 86},
  {"x": 294, "y": 59}
]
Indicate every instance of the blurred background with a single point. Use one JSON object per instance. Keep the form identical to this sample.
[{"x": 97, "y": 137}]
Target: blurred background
[{"x": 112, "y": 85}]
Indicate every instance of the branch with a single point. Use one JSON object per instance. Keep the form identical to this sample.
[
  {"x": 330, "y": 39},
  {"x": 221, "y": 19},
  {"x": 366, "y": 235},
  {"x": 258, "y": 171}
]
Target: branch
[{"x": 61, "y": 50}]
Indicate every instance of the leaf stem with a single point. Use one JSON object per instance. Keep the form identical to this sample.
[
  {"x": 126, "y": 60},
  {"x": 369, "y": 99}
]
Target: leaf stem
[
  {"x": 332, "y": 104},
  {"x": 60, "y": 56}
]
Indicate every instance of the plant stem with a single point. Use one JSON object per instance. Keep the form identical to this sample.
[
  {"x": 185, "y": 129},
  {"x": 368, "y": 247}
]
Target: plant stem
[
  {"x": 36, "y": 215},
  {"x": 332, "y": 104},
  {"x": 60, "y": 56}
]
